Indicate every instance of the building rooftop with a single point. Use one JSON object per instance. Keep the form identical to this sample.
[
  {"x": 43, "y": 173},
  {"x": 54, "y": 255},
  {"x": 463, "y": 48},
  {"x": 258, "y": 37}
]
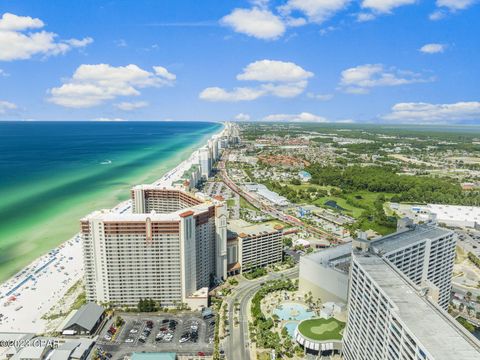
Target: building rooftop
[
  {"x": 336, "y": 257},
  {"x": 244, "y": 229},
  {"x": 455, "y": 212},
  {"x": 407, "y": 237},
  {"x": 271, "y": 196},
  {"x": 154, "y": 356},
  {"x": 108, "y": 215},
  {"x": 440, "y": 334},
  {"x": 86, "y": 317}
]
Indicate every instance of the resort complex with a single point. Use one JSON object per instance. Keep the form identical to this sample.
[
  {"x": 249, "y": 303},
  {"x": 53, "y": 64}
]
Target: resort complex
[
  {"x": 172, "y": 245},
  {"x": 424, "y": 253}
]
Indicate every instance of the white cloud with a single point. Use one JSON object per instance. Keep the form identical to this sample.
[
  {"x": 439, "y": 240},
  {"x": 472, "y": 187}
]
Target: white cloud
[
  {"x": 385, "y": 6},
  {"x": 6, "y": 106},
  {"x": 12, "y": 22},
  {"x": 446, "y": 6},
  {"x": 165, "y": 74},
  {"x": 302, "y": 117},
  {"x": 17, "y": 44},
  {"x": 434, "y": 113},
  {"x": 432, "y": 48},
  {"x": 237, "y": 94},
  {"x": 276, "y": 78},
  {"x": 3, "y": 73},
  {"x": 316, "y": 10},
  {"x": 360, "y": 79},
  {"x": 121, "y": 43},
  {"x": 93, "y": 85},
  {"x": 128, "y": 106},
  {"x": 364, "y": 17},
  {"x": 256, "y": 22},
  {"x": 454, "y": 5},
  {"x": 437, "y": 15},
  {"x": 242, "y": 117},
  {"x": 320, "y": 97},
  {"x": 274, "y": 70}
]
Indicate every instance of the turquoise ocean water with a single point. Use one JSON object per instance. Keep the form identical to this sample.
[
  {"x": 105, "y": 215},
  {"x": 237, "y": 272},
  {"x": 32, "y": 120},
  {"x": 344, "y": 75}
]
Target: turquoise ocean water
[{"x": 53, "y": 173}]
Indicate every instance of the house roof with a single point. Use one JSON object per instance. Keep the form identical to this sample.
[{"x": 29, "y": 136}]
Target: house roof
[{"x": 86, "y": 317}]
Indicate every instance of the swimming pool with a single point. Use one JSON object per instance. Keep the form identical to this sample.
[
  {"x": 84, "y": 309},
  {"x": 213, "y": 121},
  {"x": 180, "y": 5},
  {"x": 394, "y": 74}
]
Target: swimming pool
[
  {"x": 291, "y": 326},
  {"x": 293, "y": 311}
]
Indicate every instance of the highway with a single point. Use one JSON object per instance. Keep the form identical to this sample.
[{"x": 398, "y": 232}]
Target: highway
[
  {"x": 268, "y": 209},
  {"x": 237, "y": 344}
]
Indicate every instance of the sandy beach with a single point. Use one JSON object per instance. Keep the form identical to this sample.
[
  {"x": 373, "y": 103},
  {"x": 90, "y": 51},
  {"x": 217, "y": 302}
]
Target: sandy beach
[{"x": 30, "y": 294}]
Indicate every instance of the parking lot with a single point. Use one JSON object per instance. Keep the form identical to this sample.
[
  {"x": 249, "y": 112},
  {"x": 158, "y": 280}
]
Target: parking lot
[{"x": 183, "y": 334}]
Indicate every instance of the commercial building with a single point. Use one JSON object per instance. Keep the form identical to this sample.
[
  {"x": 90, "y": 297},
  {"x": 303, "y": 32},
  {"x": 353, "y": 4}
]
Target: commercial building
[
  {"x": 390, "y": 317},
  {"x": 455, "y": 215},
  {"x": 84, "y": 321},
  {"x": 265, "y": 193},
  {"x": 250, "y": 246},
  {"x": 422, "y": 252},
  {"x": 171, "y": 248}
]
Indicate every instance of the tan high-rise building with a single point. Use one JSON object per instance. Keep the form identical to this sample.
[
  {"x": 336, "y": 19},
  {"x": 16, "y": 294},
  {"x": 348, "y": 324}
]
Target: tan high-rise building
[{"x": 168, "y": 248}]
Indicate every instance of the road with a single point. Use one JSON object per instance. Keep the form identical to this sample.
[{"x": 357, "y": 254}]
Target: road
[
  {"x": 237, "y": 344},
  {"x": 268, "y": 209}
]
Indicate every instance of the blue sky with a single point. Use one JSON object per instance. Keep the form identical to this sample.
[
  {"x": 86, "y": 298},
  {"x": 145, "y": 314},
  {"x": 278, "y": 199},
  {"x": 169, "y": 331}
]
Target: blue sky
[{"x": 390, "y": 61}]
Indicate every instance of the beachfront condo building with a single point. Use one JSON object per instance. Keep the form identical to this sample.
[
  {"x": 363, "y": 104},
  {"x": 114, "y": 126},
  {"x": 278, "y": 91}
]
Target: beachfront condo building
[
  {"x": 391, "y": 317},
  {"x": 170, "y": 248},
  {"x": 422, "y": 252},
  {"x": 250, "y": 246},
  {"x": 205, "y": 160}
]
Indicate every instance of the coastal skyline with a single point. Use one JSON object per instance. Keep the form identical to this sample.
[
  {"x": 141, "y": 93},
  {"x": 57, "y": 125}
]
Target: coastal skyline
[{"x": 396, "y": 61}]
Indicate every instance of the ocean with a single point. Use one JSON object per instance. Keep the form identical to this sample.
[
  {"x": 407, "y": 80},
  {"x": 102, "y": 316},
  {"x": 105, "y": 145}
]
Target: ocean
[{"x": 53, "y": 173}]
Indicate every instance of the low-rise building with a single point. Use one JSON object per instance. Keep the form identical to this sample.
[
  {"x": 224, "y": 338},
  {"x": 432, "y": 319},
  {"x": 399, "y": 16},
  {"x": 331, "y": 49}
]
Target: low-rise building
[{"x": 85, "y": 320}]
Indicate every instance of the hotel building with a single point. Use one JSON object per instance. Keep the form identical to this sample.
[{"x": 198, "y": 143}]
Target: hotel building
[
  {"x": 424, "y": 253},
  {"x": 171, "y": 248},
  {"x": 390, "y": 317},
  {"x": 250, "y": 246}
]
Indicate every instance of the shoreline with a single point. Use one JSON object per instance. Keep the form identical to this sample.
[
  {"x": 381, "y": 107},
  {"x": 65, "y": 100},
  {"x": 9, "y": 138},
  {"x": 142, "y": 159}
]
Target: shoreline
[{"x": 51, "y": 275}]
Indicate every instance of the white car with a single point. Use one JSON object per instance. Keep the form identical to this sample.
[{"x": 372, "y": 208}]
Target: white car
[
  {"x": 133, "y": 331},
  {"x": 107, "y": 337},
  {"x": 128, "y": 341},
  {"x": 182, "y": 340},
  {"x": 168, "y": 337}
]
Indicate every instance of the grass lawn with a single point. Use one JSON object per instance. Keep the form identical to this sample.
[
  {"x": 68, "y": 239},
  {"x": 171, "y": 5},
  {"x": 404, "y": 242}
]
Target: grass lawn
[
  {"x": 230, "y": 203},
  {"x": 246, "y": 205},
  {"x": 321, "y": 329},
  {"x": 349, "y": 209},
  {"x": 307, "y": 185}
]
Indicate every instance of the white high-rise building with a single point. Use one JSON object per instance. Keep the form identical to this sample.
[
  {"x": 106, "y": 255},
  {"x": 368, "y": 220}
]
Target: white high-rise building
[
  {"x": 422, "y": 252},
  {"x": 391, "y": 318},
  {"x": 205, "y": 161},
  {"x": 169, "y": 248}
]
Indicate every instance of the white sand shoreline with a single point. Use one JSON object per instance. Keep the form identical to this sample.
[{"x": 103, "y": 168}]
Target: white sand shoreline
[{"x": 30, "y": 294}]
